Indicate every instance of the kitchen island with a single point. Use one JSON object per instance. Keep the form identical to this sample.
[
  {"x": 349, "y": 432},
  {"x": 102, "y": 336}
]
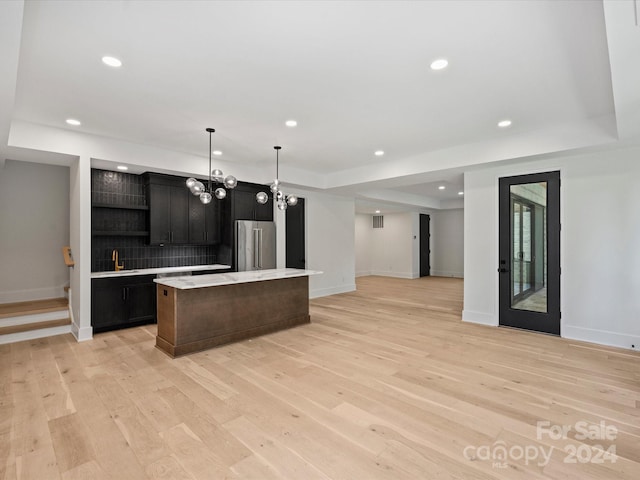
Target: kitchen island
[{"x": 196, "y": 313}]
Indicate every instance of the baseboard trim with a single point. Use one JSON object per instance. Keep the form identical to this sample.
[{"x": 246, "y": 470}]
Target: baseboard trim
[
  {"x": 601, "y": 337},
  {"x": 363, "y": 273},
  {"x": 386, "y": 273},
  {"x": 446, "y": 273},
  {"x": 480, "y": 318},
  {"x": 81, "y": 333},
  {"x": 324, "y": 292}
]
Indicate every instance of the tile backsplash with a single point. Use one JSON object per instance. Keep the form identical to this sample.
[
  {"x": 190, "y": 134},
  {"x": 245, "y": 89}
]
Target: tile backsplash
[
  {"x": 135, "y": 254},
  {"x": 117, "y": 188}
]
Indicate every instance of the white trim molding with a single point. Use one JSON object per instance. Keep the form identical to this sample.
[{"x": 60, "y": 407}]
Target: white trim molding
[
  {"x": 480, "y": 318},
  {"x": 602, "y": 337},
  {"x": 324, "y": 292}
]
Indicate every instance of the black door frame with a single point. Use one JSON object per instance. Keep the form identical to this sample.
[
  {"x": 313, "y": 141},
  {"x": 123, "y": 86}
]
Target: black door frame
[
  {"x": 548, "y": 322},
  {"x": 295, "y": 239},
  {"x": 425, "y": 245}
]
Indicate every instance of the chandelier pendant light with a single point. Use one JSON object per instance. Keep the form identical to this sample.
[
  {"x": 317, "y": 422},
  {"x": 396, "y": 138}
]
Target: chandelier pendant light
[
  {"x": 279, "y": 197},
  {"x": 198, "y": 188}
]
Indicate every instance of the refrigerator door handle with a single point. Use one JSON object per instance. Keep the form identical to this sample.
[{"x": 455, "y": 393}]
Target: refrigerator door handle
[
  {"x": 256, "y": 248},
  {"x": 260, "y": 249}
]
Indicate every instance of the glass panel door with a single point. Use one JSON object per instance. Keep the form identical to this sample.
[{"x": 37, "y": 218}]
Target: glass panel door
[{"x": 529, "y": 281}]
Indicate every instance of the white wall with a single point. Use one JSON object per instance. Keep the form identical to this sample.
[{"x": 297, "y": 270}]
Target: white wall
[
  {"x": 363, "y": 244},
  {"x": 34, "y": 214},
  {"x": 80, "y": 241},
  {"x": 392, "y": 251},
  {"x": 447, "y": 243},
  {"x": 329, "y": 237},
  {"x": 600, "y": 235}
]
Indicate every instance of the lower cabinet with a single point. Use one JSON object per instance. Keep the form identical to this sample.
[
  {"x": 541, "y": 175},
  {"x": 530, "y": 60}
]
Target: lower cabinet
[{"x": 122, "y": 302}]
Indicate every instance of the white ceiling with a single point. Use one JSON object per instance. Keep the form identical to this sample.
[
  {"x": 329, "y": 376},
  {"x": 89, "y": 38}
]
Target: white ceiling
[{"x": 354, "y": 74}]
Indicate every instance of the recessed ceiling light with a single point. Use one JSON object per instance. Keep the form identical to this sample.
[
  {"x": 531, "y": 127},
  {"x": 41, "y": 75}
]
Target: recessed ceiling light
[
  {"x": 460, "y": 193},
  {"x": 74, "y": 122},
  {"x": 111, "y": 61},
  {"x": 291, "y": 123},
  {"x": 439, "y": 64},
  {"x": 217, "y": 152},
  {"x": 378, "y": 153},
  {"x": 377, "y": 211},
  {"x": 441, "y": 187},
  {"x": 122, "y": 167},
  {"x": 504, "y": 123}
]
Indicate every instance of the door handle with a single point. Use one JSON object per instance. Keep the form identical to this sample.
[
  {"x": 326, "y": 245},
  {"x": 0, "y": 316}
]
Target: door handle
[
  {"x": 256, "y": 246},
  {"x": 503, "y": 270},
  {"x": 260, "y": 249}
]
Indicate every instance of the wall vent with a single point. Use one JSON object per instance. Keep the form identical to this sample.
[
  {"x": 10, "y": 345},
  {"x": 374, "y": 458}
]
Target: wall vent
[{"x": 378, "y": 221}]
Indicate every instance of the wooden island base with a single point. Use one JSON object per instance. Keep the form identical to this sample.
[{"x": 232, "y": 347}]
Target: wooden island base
[{"x": 191, "y": 320}]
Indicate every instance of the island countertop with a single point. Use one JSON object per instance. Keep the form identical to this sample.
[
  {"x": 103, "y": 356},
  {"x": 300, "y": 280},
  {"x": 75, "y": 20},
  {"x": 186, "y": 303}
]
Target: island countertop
[
  {"x": 232, "y": 278},
  {"x": 160, "y": 270}
]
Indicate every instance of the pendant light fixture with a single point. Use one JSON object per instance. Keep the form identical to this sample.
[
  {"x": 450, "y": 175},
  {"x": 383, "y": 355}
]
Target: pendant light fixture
[
  {"x": 280, "y": 199},
  {"x": 198, "y": 188}
]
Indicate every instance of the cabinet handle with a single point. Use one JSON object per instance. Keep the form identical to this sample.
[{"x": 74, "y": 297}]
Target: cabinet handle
[{"x": 124, "y": 294}]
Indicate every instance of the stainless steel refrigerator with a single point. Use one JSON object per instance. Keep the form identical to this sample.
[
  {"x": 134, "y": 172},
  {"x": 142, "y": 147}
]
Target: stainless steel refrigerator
[{"x": 255, "y": 245}]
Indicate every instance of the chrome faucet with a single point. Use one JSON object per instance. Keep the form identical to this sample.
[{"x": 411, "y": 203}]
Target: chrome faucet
[{"x": 114, "y": 257}]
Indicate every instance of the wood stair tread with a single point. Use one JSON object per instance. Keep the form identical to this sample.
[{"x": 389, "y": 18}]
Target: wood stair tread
[
  {"x": 33, "y": 307},
  {"x": 27, "y": 327}
]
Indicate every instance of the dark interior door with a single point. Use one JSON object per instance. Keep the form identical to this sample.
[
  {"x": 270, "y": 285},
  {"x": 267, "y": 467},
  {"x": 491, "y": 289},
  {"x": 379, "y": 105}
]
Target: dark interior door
[
  {"x": 294, "y": 224},
  {"x": 529, "y": 245},
  {"x": 425, "y": 252}
]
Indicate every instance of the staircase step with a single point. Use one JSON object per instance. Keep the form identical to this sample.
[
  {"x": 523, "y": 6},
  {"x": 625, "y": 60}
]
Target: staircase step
[
  {"x": 33, "y": 307},
  {"x": 27, "y": 327}
]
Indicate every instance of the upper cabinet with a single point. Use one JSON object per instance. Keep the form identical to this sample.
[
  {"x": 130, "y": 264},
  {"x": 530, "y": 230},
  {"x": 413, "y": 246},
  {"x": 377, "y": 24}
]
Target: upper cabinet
[
  {"x": 204, "y": 221},
  {"x": 178, "y": 217},
  {"x": 168, "y": 214},
  {"x": 245, "y": 206}
]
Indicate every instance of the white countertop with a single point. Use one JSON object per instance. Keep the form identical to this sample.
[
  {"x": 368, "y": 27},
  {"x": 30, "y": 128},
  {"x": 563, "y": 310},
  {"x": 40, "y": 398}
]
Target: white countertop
[
  {"x": 214, "y": 280},
  {"x": 156, "y": 271}
]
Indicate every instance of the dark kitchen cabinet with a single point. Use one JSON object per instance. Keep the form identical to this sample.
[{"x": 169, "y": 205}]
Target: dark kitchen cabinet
[
  {"x": 119, "y": 302},
  {"x": 204, "y": 221},
  {"x": 245, "y": 206},
  {"x": 168, "y": 202}
]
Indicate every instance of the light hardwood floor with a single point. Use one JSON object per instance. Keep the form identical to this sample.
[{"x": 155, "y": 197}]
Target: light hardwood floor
[{"x": 385, "y": 383}]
